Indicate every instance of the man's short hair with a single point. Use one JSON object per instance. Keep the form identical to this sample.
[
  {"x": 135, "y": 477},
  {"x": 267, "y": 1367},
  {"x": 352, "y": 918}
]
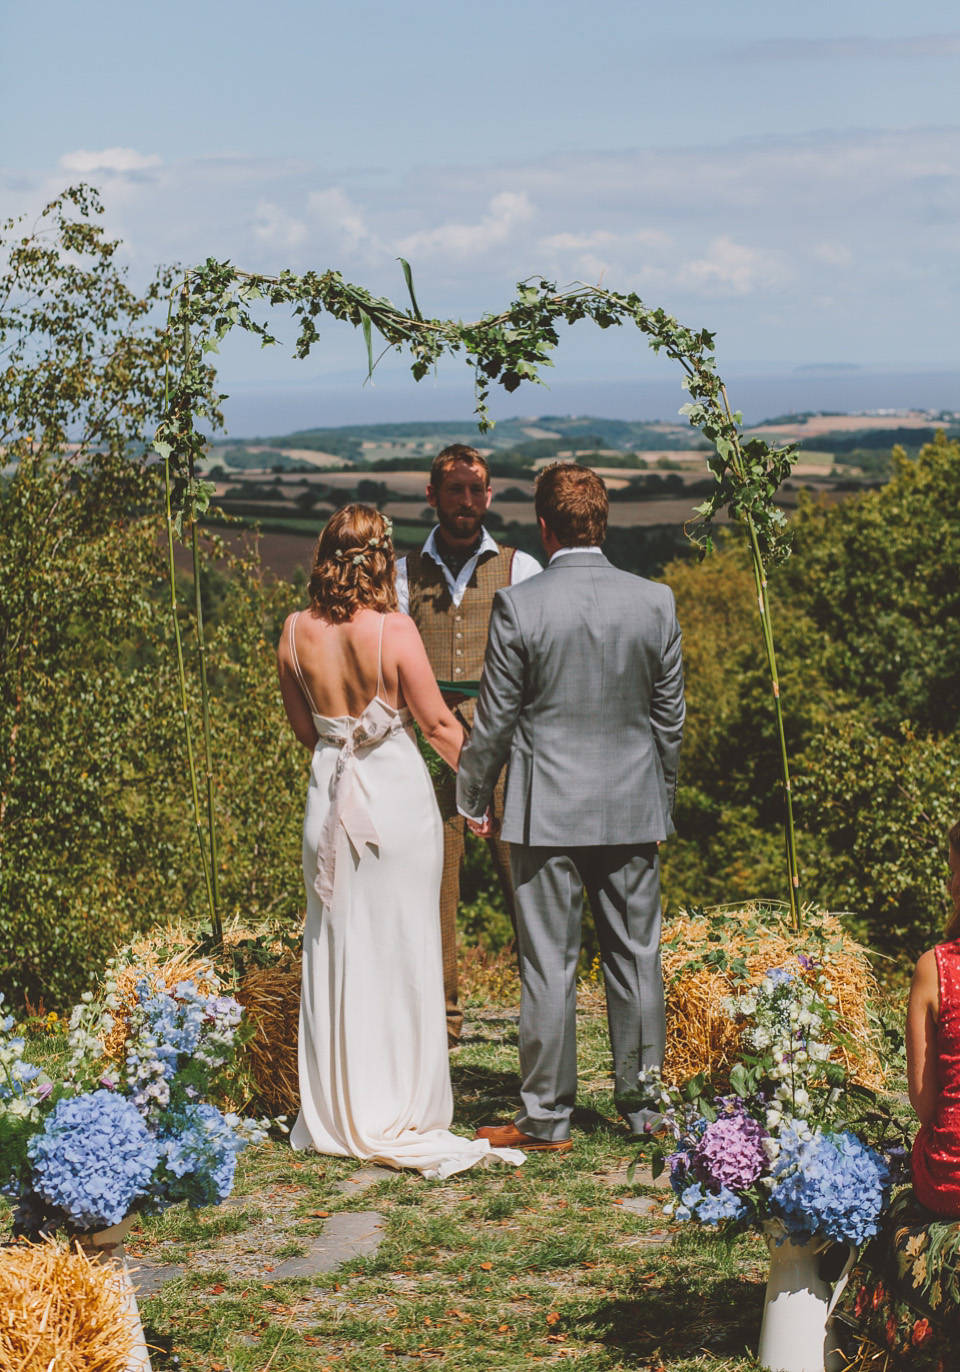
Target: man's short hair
[
  {"x": 457, "y": 452},
  {"x": 572, "y": 502}
]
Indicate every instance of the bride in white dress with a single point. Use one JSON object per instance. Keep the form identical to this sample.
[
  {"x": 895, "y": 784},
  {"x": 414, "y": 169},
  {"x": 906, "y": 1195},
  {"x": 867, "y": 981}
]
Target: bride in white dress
[{"x": 374, "y": 1073}]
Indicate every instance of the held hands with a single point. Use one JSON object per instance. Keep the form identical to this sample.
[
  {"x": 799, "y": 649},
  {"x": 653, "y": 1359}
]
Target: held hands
[{"x": 486, "y": 827}]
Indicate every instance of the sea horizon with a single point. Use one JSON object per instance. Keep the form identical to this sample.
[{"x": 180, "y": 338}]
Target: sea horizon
[{"x": 265, "y": 410}]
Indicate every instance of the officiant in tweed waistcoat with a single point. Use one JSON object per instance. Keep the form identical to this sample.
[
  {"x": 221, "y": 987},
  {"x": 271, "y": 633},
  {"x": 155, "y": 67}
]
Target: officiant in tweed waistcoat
[{"x": 447, "y": 587}]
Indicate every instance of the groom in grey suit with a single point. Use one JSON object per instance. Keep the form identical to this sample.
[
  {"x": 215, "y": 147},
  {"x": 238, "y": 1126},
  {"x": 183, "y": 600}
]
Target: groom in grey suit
[{"x": 582, "y": 691}]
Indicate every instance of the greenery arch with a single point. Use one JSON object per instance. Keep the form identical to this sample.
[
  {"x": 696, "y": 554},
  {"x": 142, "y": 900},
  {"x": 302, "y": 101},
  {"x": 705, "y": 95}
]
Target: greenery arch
[{"x": 505, "y": 348}]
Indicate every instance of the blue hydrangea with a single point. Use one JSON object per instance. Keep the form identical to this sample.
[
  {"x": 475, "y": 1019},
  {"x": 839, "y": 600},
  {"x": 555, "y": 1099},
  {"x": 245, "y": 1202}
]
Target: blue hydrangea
[
  {"x": 94, "y": 1158},
  {"x": 199, "y": 1153},
  {"x": 830, "y": 1184},
  {"x": 173, "y": 1030},
  {"x": 710, "y": 1207}
]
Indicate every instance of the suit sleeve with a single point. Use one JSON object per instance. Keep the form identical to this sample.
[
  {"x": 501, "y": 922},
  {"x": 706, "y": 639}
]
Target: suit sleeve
[
  {"x": 667, "y": 709},
  {"x": 498, "y": 709},
  {"x": 403, "y": 587}
]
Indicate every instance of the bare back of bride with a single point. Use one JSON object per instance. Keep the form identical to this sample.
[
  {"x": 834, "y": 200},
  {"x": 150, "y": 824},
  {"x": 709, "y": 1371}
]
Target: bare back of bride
[{"x": 374, "y": 1073}]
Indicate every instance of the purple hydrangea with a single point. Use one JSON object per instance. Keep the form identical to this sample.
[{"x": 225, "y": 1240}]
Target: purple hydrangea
[{"x": 730, "y": 1152}]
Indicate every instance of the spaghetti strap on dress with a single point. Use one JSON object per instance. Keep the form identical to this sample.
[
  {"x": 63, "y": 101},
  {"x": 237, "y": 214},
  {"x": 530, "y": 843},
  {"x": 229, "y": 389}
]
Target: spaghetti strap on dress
[{"x": 374, "y": 1071}]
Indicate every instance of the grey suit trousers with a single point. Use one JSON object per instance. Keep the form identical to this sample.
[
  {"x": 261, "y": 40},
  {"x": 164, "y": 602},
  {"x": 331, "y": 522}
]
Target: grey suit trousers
[{"x": 623, "y": 883}]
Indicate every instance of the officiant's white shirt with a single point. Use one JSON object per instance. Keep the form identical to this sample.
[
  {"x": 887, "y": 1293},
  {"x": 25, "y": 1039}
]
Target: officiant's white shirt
[{"x": 523, "y": 566}]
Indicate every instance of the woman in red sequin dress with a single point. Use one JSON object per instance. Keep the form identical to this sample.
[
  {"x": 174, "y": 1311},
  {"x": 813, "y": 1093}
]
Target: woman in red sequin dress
[{"x": 933, "y": 1061}]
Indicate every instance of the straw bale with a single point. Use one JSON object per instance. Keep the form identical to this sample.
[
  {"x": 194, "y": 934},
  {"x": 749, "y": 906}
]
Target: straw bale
[
  {"x": 59, "y": 1310},
  {"x": 184, "y": 964},
  {"x": 701, "y": 1037},
  {"x": 271, "y": 998},
  {"x": 869, "y": 1357}
]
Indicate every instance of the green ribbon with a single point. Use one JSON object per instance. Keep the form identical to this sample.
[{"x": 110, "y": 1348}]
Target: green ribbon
[{"x": 463, "y": 688}]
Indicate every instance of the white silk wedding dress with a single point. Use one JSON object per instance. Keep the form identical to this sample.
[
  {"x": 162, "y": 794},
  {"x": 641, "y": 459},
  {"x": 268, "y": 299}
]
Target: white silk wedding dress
[{"x": 374, "y": 1073}]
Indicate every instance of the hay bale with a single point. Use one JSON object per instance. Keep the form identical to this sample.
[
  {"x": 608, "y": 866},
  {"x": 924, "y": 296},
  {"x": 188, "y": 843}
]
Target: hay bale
[
  {"x": 59, "y": 1310},
  {"x": 701, "y": 1037},
  {"x": 182, "y": 965},
  {"x": 271, "y": 999}
]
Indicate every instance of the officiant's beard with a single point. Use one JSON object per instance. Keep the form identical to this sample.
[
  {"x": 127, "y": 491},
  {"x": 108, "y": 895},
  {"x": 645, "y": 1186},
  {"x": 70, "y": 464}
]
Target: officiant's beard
[{"x": 463, "y": 527}]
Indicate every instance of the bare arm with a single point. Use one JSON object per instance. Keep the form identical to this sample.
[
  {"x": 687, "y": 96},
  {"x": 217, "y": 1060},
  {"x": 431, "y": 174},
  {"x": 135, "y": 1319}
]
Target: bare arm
[
  {"x": 294, "y": 701},
  {"x": 922, "y": 1015},
  {"x": 439, "y": 727}
]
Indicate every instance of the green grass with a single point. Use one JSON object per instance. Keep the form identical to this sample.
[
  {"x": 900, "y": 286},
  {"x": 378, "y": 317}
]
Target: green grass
[{"x": 498, "y": 1268}]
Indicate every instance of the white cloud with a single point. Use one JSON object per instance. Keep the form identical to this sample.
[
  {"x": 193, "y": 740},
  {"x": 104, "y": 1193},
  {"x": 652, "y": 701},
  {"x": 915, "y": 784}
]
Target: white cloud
[
  {"x": 856, "y": 46},
  {"x": 757, "y": 239},
  {"x": 340, "y": 221},
  {"x": 275, "y": 228},
  {"x": 116, "y": 160},
  {"x": 736, "y": 269},
  {"x": 605, "y": 239},
  {"x": 506, "y": 213},
  {"x": 832, "y": 254}
]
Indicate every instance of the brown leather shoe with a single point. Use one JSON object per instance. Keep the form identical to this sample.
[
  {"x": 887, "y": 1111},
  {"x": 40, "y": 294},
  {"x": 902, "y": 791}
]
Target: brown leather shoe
[{"x": 509, "y": 1136}]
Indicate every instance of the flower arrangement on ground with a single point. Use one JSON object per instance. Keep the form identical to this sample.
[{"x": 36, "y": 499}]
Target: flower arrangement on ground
[
  {"x": 83, "y": 1151},
  {"x": 780, "y": 1150}
]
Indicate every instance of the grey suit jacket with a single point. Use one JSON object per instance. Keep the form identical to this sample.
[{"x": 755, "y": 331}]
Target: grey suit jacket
[{"x": 582, "y": 690}]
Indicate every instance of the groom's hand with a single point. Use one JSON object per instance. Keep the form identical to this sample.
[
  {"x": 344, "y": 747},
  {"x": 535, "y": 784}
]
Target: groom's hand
[{"x": 486, "y": 827}]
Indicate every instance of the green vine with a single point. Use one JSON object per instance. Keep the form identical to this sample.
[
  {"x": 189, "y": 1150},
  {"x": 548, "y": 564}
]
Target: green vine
[{"x": 503, "y": 349}]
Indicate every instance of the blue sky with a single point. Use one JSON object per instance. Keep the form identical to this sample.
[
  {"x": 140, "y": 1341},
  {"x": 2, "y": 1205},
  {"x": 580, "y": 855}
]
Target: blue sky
[{"x": 788, "y": 176}]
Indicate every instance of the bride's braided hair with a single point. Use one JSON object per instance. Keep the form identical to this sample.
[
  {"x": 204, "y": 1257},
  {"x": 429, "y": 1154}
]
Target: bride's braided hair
[{"x": 354, "y": 565}]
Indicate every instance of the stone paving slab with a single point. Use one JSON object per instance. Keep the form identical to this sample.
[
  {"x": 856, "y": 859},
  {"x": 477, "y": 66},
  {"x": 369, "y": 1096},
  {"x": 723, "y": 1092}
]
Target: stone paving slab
[
  {"x": 640, "y": 1205},
  {"x": 365, "y": 1176},
  {"x": 344, "y": 1236},
  {"x": 148, "y": 1277}
]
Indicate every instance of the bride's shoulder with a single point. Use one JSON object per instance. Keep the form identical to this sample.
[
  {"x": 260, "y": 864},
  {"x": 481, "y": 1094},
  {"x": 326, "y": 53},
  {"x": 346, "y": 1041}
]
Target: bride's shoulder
[
  {"x": 400, "y": 632},
  {"x": 397, "y": 624},
  {"x": 283, "y": 645}
]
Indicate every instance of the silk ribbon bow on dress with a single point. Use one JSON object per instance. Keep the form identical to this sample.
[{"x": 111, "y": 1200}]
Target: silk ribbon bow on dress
[{"x": 377, "y": 723}]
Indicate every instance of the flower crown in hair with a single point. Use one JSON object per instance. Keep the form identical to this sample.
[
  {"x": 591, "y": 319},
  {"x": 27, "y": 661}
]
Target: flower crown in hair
[{"x": 371, "y": 545}]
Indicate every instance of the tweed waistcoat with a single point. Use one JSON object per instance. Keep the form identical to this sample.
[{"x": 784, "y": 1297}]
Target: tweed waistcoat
[{"x": 455, "y": 636}]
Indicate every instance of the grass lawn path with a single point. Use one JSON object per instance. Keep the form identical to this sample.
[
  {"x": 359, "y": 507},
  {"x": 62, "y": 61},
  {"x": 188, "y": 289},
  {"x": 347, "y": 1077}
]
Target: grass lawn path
[{"x": 321, "y": 1263}]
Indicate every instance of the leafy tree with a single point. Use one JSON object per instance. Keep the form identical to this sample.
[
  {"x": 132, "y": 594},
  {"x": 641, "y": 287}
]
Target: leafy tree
[
  {"x": 869, "y": 651},
  {"x": 882, "y": 806},
  {"x": 78, "y": 388},
  {"x": 729, "y": 814},
  {"x": 96, "y": 839},
  {"x": 879, "y": 578}
]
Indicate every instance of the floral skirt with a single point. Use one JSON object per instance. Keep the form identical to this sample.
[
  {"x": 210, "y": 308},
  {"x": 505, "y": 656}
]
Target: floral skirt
[{"x": 903, "y": 1295}]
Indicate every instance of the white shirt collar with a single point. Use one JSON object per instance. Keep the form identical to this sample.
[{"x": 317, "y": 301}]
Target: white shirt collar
[
  {"x": 487, "y": 544},
  {"x": 459, "y": 585},
  {"x": 562, "y": 552}
]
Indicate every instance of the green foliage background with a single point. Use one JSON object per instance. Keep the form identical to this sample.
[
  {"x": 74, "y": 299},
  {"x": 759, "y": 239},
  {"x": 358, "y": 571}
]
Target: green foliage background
[
  {"x": 870, "y": 681},
  {"x": 97, "y": 840}
]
